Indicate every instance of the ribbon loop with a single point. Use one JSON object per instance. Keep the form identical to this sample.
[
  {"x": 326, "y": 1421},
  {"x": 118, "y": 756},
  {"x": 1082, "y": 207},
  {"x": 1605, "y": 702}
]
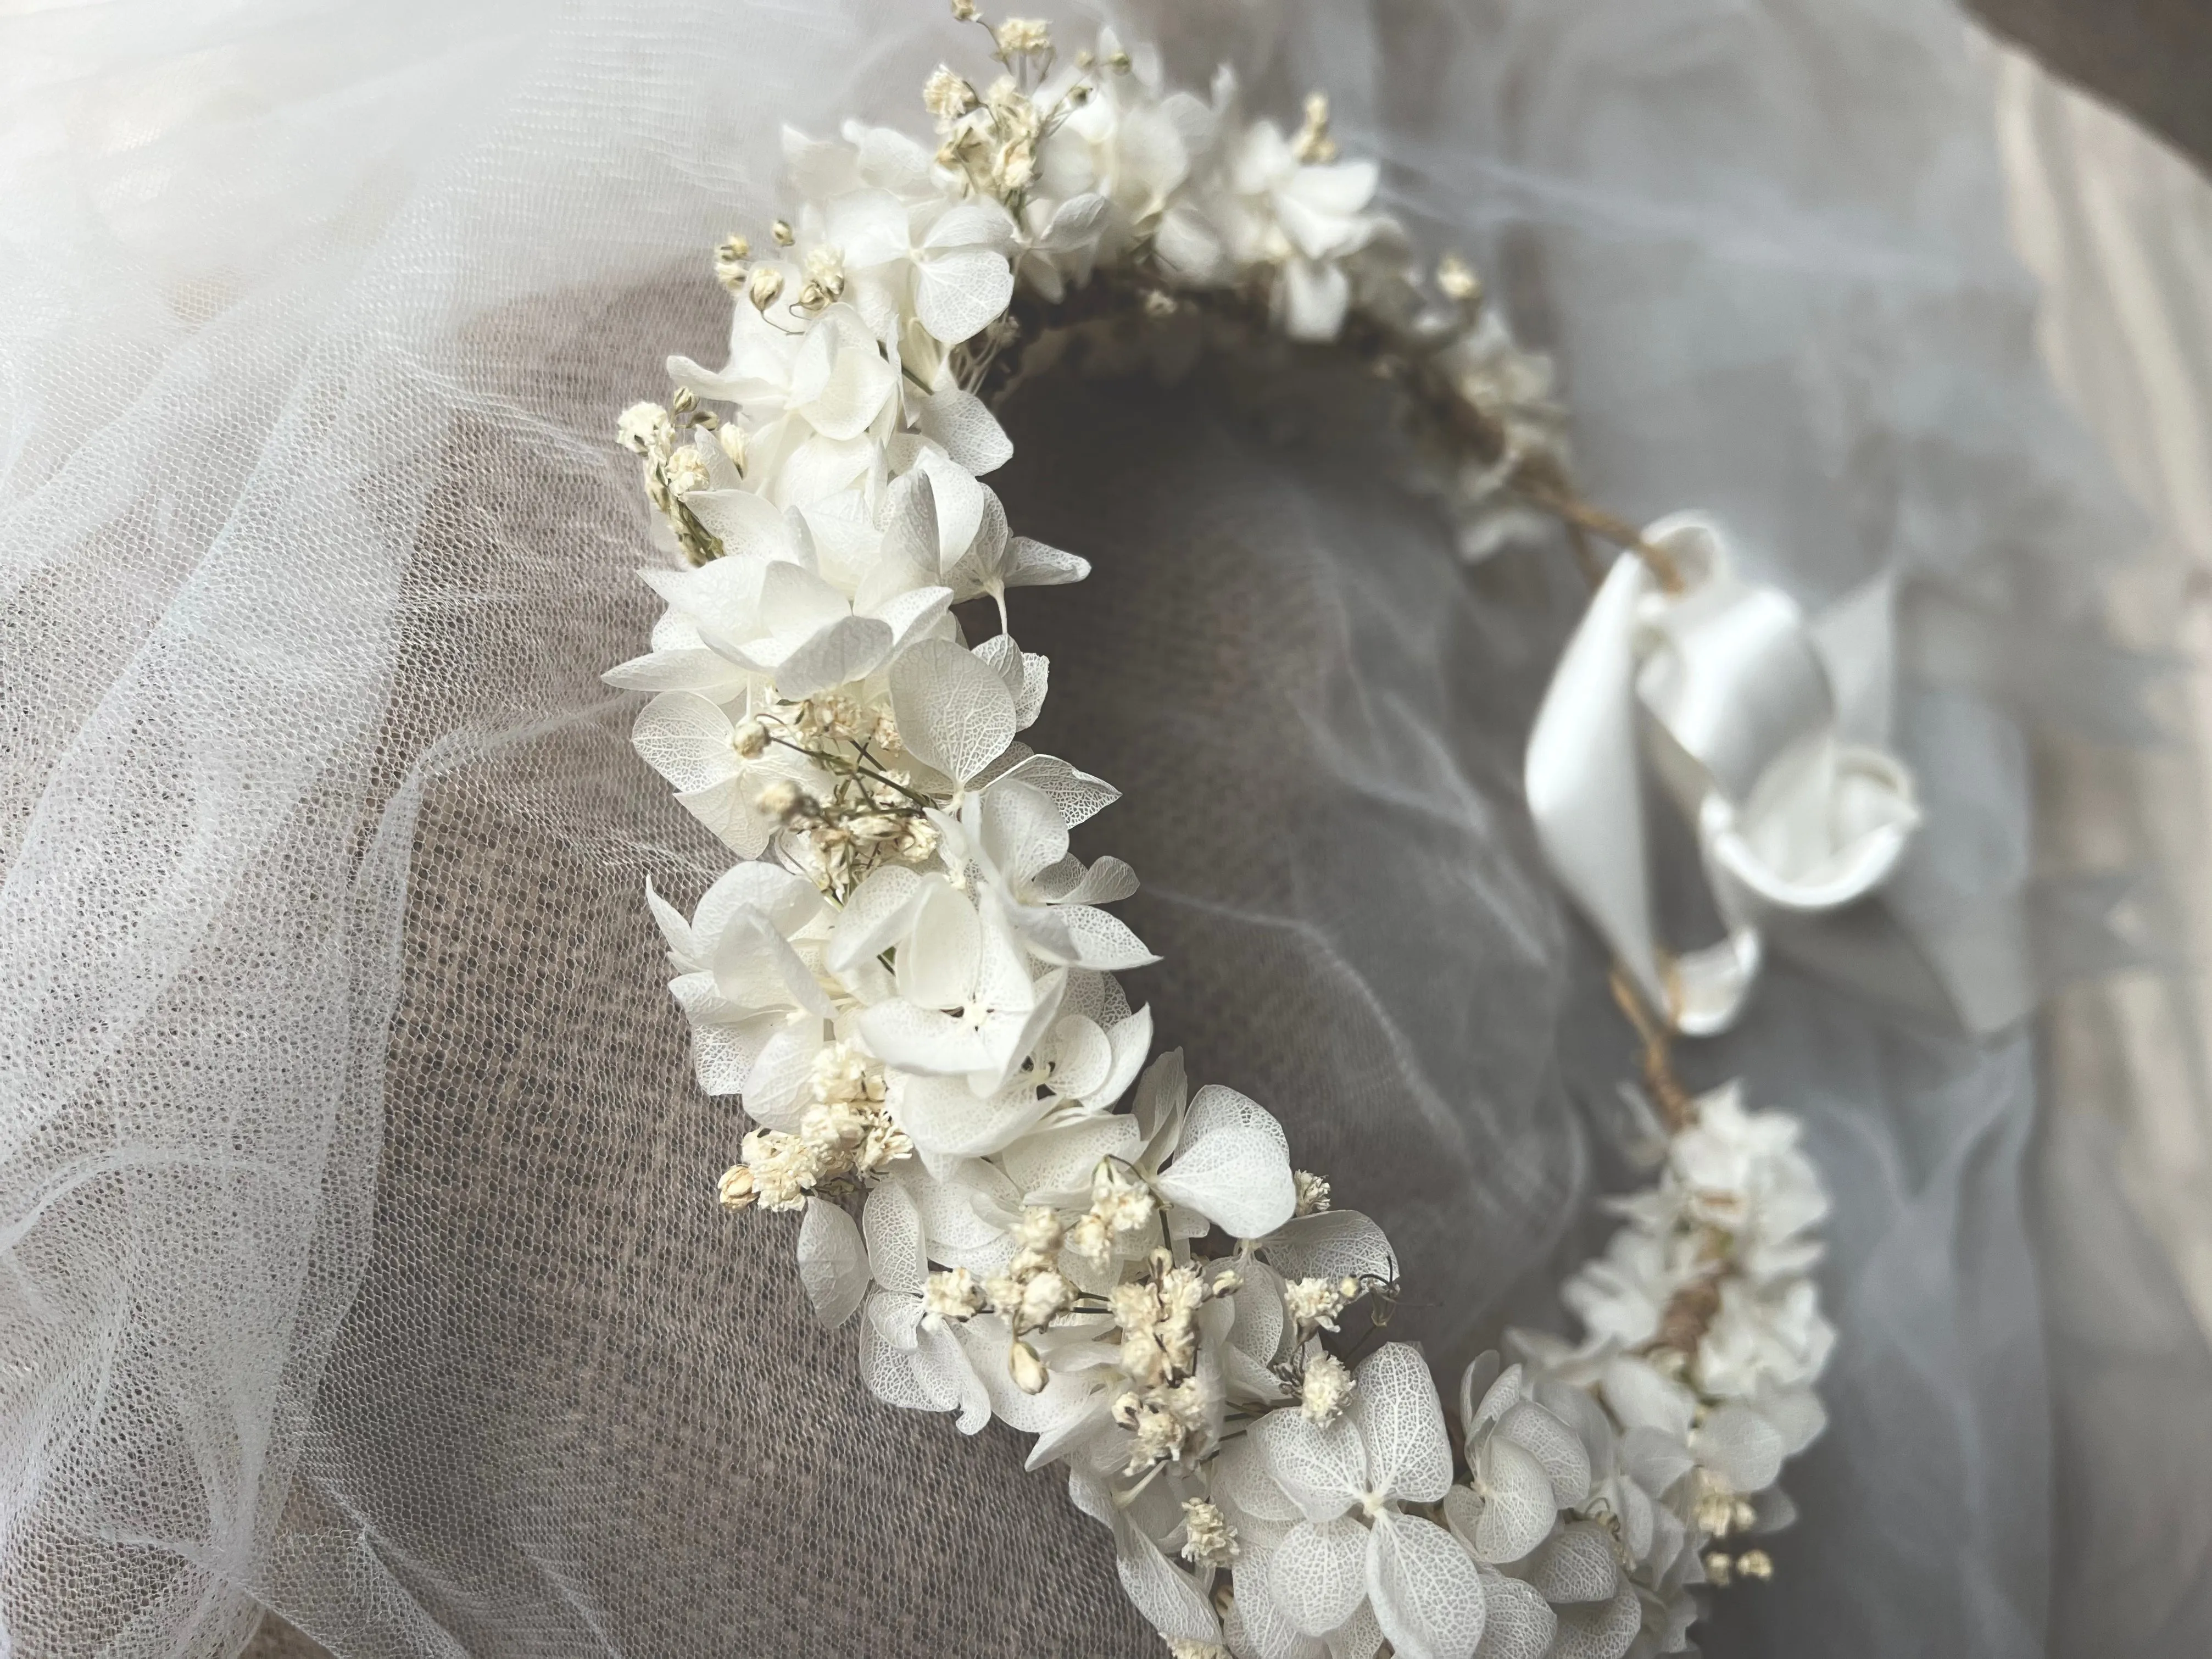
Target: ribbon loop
[{"x": 1756, "y": 723}]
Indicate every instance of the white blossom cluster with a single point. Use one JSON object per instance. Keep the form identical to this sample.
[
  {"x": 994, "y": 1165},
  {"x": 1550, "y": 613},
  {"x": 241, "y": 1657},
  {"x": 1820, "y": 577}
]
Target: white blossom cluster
[{"x": 909, "y": 978}]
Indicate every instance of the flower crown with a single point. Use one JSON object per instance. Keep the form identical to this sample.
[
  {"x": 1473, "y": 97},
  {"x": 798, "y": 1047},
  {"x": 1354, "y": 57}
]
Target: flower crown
[{"x": 909, "y": 981}]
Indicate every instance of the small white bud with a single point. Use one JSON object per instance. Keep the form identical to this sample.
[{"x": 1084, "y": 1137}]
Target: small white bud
[
  {"x": 765, "y": 286},
  {"x": 750, "y": 739},
  {"x": 781, "y": 231},
  {"x": 732, "y": 437},
  {"x": 1314, "y": 145},
  {"x": 780, "y": 798},
  {"x": 1455, "y": 280},
  {"x": 1027, "y": 1369},
  {"x": 735, "y": 1189}
]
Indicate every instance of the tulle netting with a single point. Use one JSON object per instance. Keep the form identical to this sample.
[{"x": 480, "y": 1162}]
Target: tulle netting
[{"x": 361, "y": 1259}]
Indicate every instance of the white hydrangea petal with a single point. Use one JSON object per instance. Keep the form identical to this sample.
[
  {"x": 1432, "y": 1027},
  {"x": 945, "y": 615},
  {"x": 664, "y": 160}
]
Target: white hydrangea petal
[
  {"x": 789, "y": 901},
  {"x": 1063, "y": 1160},
  {"x": 1177, "y": 1608},
  {"x": 1161, "y": 1105},
  {"x": 1128, "y": 1040},
  {"x": 1102, "y": 941},
  {"x": 1427, "y": 1594},
  {"x": 960, "y": 291},
  {"x": 1071, "y": 1433},
  {"x": 833, "y": 1264},
  {"x": 849, "y": 649},
  {"x": 1517, "y": 1505},
  {"x": 673, "y": 927},
  {"x": 1499, "y": 1394},
  {"x": 683, "y": 668},
  {"x": 1554, "y": 1445},
  {"x": 686, "y": 739},
  {"x": 1798, "y": 1413},
  {"x": 910, "y": 534},
  {"x": 722, "y": 1053},
  {"x": 1333, "y": 1244},
  {"x": 942, "y": 1366},
  {"x": 963, "y": 1211},
  {"x": 1235, "y": 1180},
  {"x": 1313, "y": 296},
  {"x": 1077, "y": 795},
  {"x": 955, "y": 714},
  {"x": 1600, "y": 1630},
  {"x": 859, "y": 384},
  {"x": 731, "y": 810},
  {"x": 1401, "y": 1422},
  {"x": 890, "y": 1225},
  {"x": 1740, "y": 1446},
  {"x": 946, "y": 1119},
  {"x": 1019, "y": 827},
  {"x": 775, "y": 1085},
  {"x": 795, "y": 602},
  {"x": 1108, "y": 881},
  {"x": 966, "y": 511},
  {"x": 1639, "y": 1517},
  {"x": 1255, "y": 1628},
  {"x": 755, "y": 967},
  {"x": 911, "y": 614},
  {"x": 1242, "y": 1479},
  {"x": 747, "y": 524},
  {"x": 1359, "y": 1637},
  {"x": 1232, "y": 1165},
  {"x": 1323, "y": 1470},
  {"x": 879, "y": 911},
  {"x": 963, "y": 425},
  {"x": 971, "y": 224},
  {"x": 1318, "y": 1574},
  {"x": 942, "y": 952},
  {"x": 887, "y": 1368},
  {"x": 1262, "y": 1318},
  {"x": 1654, "y": 1459},
  {"x": 1187, "y": 244},
  {"x": 1517, "y": 1623},
  {"x": 869, "y": 227},
  {"x": 1078, "y": 220},
  {"x": 1641, "y": 1398},
  {"x": 1030, "y": 563},
  {"x": 1082, "y": 1058},
  {"x": 1576, "y": 1565},
  {"x": 1217, "y": 1110}
]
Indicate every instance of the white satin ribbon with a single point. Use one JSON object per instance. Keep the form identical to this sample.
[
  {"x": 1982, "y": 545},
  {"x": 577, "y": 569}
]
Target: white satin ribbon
[{"x": 1767, "y": 731}]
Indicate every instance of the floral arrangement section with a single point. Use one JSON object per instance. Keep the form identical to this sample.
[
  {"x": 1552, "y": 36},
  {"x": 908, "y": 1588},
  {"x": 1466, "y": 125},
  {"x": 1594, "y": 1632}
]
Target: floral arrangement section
[{"x": 909, "y": 981}]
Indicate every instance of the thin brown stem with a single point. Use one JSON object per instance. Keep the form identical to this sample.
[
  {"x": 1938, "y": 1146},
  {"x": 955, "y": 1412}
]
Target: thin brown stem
[{"x": 1659, "y": 1082}]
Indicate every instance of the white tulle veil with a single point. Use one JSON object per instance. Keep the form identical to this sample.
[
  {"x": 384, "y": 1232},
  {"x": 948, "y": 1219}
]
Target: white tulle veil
[{"x": 359, "y": 1255}]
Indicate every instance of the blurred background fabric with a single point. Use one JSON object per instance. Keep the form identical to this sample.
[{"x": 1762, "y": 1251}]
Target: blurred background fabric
[{"x": 354, "y": 1196}]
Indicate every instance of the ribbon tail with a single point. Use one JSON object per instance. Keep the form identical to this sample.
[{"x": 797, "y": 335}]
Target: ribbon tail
[{"x": 1584, "y": 785}]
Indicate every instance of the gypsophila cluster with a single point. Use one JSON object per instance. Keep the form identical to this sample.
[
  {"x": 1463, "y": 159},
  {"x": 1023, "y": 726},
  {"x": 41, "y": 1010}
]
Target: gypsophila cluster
[{"x": 910, "y": 982}]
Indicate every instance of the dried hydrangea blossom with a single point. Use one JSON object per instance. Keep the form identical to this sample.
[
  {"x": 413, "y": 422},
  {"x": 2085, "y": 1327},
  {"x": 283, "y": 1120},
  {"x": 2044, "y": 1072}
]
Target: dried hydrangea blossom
[{"x": 909, "y": 981}]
